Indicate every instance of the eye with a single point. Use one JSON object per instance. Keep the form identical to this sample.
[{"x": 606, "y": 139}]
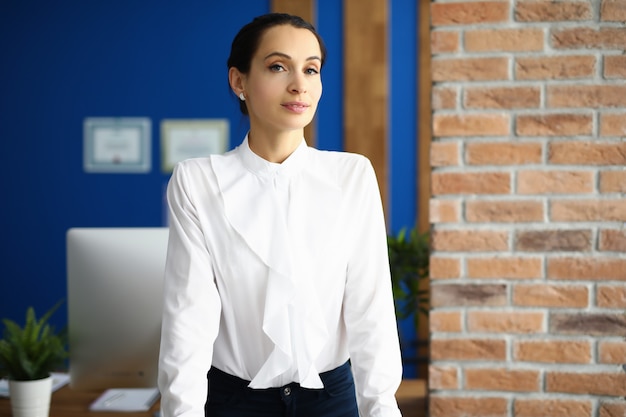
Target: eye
[
  {"x": 277, "y": 68},
  {"x": 311, "y": 71}
]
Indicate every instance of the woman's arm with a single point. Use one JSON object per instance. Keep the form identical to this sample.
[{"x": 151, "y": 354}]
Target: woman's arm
[
  {"x": 368, "y": 305},
  {"x": 191, "y": 307}
]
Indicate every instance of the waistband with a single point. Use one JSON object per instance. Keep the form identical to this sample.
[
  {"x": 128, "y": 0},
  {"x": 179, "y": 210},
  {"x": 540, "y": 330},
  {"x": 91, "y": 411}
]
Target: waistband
[{"x": 328, "y": 378}]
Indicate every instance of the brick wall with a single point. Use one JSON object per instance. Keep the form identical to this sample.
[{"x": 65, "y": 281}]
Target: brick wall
[{"x": 528, "y": 271}]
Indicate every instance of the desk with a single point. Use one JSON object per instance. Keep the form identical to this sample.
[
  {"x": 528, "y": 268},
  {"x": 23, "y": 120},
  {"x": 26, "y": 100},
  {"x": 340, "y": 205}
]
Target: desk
[{"x": 70, "y": 403}]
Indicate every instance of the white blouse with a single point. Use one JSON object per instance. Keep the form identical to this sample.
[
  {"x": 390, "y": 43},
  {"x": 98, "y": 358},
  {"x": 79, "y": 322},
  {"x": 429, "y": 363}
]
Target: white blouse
[{"x": 276, "y": 273}]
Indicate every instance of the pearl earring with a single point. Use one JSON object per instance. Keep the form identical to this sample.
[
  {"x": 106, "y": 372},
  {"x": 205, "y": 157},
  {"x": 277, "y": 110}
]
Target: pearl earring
[{"x": 242, "y": 97}]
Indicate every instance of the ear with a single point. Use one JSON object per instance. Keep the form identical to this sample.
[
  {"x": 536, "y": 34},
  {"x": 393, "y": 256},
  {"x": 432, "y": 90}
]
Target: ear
[{"x": 237, "y": 80}]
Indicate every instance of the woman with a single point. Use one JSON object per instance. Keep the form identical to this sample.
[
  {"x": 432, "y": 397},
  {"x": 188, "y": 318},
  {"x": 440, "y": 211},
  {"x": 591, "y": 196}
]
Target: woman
[{"x": 277, "y": 278}]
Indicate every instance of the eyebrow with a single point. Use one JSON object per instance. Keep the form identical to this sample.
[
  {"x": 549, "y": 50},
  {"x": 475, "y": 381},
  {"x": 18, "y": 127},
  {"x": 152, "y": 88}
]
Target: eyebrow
[{"x": 283, "y": 55}]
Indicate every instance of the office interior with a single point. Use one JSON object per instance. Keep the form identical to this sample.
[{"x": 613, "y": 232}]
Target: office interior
[{"x": 69, "y": 60}]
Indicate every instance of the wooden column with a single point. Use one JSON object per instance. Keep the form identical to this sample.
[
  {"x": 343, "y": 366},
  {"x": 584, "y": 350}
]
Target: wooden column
[
  {"x": 366, "y": 93},
  {"x": 424, "y": 136},
  {"x": 424, "y": 116},
  {"x": 306, "y": 10}
]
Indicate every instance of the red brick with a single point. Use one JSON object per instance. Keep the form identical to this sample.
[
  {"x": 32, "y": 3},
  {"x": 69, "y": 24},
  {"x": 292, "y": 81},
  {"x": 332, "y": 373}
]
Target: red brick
[
  {"x": 612, "y": 352},
  {"x": 470, "y": 183},
  {"x": 503, "y": 153},
  {"x": 588, "y": 210},
  {"x": 587, "y": 268},
  {"x": 502, "y": 97},
  {"x": 612, "y": 409},
  {"x": 471, "y": 124},
  {"x": 577, "y": 96},
  {"x": 464, "y": 295},
  {"x": 588, "y": 324},
  {"x": 469, "y": 240},
  {"x": 553, "y": 351},
  {"x": 610, "y": 384},
  {"x": 469, "y": 69},
  {"x": 443, "y": 98},
  {"x": 555, "y": 67},
  {"x": 589, "y": 38},
  {"x": 613, "y": 11},
  {"x": 613, "y": 124},
  {"x": 444, "y": 211},
  {"x": 555, "y": 182},
  {"x": 447, "y": 406},
  {"x": 444, "y": 42},
  {"x": 509, "y": 211},
  {"x": 611, "y": 296},
  {"x": 556, "y": 296},
  {"x": 613, "y": 181},
  {"x": 505, "y": 322},
  {"x": 467, "y": 349},
  {"x": 502, "y": 380},
  {"x": 499, "y": 40},
  {"x": 612, "y": 240},
  {"x": 444, "y": 268},
  {"x": 587, "y": 153},
  {"x": 443, "y": 377},
  {"x": 544, "y": 11},
  {"x": 444, "y": 154},
  {"x": 553, "y": 240},
  {"x": 615, "y": 66},
  {"x": 536, "y": 407},
  {"x": 505, "y": 268},
  {"x": 563, "y": 124},
  {"x": 469, "y": 12},
  {"x": 444, "y": 321}
]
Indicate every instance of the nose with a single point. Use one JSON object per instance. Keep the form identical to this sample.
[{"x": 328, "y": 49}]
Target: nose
[{"x": 298, "y": 84}]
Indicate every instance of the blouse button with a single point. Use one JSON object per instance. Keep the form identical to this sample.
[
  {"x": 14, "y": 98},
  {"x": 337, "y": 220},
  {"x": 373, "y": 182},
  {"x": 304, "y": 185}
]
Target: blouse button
[{"x": 287, "y": 391}]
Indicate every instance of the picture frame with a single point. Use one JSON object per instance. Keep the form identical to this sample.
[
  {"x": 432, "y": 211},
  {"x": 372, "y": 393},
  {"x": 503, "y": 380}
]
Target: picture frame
[
  {"x": 117, "y": 145},
  {"x": 191, "y": 138}
]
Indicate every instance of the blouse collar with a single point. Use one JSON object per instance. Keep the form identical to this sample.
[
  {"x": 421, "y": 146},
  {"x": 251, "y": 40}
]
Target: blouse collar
[{"x": 265, "y": 168}]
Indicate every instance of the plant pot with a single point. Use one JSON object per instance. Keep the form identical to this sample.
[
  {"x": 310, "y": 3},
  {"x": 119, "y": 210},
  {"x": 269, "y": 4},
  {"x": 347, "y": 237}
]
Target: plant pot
[{"x": 31, "y": 398}]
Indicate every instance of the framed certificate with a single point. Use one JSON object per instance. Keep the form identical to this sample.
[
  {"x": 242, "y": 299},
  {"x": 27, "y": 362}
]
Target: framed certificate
[
  {"x": 183, "y": 139},
  {"x": 117, "y": 145}
]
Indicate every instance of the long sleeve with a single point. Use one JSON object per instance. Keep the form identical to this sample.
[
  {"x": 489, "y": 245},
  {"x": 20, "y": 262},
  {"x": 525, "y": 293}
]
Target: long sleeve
[
  {"x": 254, "y": 250},
  {"x": 191, "y": 309},
  {"x": 368, "y": 306}
]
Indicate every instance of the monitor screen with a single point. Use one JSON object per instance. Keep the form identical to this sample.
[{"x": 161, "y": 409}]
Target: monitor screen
[{"x": 115, "y": 286}]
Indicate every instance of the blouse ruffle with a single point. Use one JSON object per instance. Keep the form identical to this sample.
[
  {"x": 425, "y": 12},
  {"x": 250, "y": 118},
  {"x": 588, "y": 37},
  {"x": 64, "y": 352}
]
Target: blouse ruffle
[{"x": 283, "y": 234}]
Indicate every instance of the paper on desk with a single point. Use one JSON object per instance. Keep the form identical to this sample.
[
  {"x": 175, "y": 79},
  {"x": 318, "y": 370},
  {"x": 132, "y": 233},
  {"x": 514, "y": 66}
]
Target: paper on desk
[
  {"x": 58, "y": 380},
  {"x": 126, "y": 399}
]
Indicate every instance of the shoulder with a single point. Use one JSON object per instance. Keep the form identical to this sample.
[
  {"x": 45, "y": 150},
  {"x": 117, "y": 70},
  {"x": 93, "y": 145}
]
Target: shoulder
[
  {"x": 342, "y": 165},
  {"x": 204, "y": 165},
  {"x": 192, "y": 164},
  {"x": 189, "y": 169},
  {"x": 353, "y": 174}
]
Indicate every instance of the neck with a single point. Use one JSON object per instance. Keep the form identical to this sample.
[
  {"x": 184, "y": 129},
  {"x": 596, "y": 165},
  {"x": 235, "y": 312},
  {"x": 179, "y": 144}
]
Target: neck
[{"x": 274, "y": 147}]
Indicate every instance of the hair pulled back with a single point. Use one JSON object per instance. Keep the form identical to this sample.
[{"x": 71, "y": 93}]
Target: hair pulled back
[{"x": 246, "y": 42}]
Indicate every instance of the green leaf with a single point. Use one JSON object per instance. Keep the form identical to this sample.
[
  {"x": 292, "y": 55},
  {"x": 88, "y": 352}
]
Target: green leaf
[
  {"x": 409, "y": 258},
  {"x": 34, "y": 350}
]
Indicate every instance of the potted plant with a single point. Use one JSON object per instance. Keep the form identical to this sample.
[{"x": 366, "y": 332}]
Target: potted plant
[
  {"x": 409, "y": 256},
  {"x": 28, "y": 355}
]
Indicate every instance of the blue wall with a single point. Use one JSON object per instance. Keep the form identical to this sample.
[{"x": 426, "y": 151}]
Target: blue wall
[
  {"x": 66, "y": 60},
  {"x": 70, "y": 59}
]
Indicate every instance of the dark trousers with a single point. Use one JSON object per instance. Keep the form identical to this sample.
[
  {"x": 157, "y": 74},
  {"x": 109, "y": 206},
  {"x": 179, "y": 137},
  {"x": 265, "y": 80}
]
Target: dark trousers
[{"x": 229, "y": 396}]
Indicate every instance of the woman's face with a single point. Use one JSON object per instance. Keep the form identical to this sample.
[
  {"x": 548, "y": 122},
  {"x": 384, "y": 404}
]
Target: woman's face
[{"x": 284, "y": 84}]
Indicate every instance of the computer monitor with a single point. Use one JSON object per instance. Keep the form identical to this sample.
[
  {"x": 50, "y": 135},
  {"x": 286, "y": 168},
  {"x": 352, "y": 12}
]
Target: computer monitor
[{"x": 115, "y": 287}]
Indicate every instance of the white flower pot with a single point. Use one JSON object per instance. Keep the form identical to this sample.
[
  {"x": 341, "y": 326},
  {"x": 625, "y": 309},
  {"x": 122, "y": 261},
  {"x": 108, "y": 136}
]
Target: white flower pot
[{"x": 31, "y": 398}]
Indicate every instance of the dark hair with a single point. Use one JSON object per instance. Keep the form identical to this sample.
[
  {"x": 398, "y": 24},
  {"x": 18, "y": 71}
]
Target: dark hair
[{"x": 246, "y": 42}]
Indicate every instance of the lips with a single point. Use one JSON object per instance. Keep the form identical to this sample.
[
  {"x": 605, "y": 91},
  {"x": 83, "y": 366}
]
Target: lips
[{"x": 296, "y": 106}]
